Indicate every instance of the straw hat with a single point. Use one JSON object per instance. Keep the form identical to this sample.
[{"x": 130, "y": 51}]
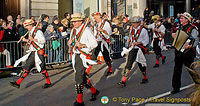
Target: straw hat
[
  {"x": 186, "y": 15},
  {"x": 28, "y": 22},
  {"x": 156, "y": 17},
  {"x": 77, "y": 17}
]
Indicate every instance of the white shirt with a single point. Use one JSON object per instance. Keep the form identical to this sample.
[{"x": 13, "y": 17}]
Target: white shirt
[
  {"x": 39, "y": 36},
  {"x": 195, "y": 34},
  {"x": 143, "y": 37},
  {"x": 106, "y": 27},
  {"x": 160, "y": 29},
  {"x": 87, "y": 38}
]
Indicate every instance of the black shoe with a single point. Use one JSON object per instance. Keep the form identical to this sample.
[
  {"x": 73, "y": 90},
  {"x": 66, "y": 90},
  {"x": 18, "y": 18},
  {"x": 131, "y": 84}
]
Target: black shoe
[
  {"x": 94, "y": 96},
  {"x": 163, "y": 60},
  {"x": 175, "y": 91},
  {"x": 108, "y": 73},
  {"x": 46, "y": 85},
  {"x": 79, "y": 104},
  {"x": 122, "y": 84},
  {"x": 14, "y": 84},
  {"x": 156, "y": 65},
  {"x": 144, "y": 81}
]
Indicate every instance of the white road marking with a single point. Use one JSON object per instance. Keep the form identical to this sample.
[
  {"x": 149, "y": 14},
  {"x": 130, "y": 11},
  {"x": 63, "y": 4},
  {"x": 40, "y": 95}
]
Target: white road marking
[{"x": 161, "y": 95}]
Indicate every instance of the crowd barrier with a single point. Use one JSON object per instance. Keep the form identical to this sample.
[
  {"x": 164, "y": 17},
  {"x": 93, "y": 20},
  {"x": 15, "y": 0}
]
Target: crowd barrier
[
  {"x": 56, "y": 51},
  {"x": 117, "y": 44}
]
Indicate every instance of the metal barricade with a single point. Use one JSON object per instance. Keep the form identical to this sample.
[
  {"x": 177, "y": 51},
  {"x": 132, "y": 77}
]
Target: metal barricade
[
  {"x": 10, "y": 52},
  {"x": 116, "y": 46},
  {"x": 57, "y": 51}
]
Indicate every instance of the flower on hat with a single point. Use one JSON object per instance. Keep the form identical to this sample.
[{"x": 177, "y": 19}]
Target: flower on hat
[
  {"x": 96, "y": 13},
  {"x": 28, "y": 22}
]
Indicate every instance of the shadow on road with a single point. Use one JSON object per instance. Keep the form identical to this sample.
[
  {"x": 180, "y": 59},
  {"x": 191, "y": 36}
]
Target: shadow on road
[{"x": 68, "y": 68}]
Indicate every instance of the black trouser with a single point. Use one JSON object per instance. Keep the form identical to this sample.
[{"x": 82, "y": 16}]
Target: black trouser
[
  {"x": 80, "y": 75},
  {"x": 131, "y": 58},
  {"x": 156, "y": 48},
  {"x": 80, "y": 70},
  {"x": 105, "y": 53},
  {"x": 180, "y": 59},
  {"x": 30, "y": 62}
]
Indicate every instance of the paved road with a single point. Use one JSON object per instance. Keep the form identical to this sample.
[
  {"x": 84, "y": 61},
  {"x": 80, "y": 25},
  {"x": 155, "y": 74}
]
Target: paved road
[{"x": 62, "y": 92}]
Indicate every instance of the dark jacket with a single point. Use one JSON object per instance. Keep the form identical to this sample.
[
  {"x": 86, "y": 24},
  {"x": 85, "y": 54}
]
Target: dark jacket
[
  {"x": 55, "y": 26},
  {"x": 48, "y": 35},
  {"x": 10, "y": 35},
  {"x": 1, "y": 39},
  {"x": 22, "y": 31},
  {"x": 44, "y": 26}
]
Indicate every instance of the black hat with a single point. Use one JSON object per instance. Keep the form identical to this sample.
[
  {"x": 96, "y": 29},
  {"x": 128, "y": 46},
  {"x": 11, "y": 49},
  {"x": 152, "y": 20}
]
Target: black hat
[
  {"x": 55, "y": 18},
  {"x": 65, "y": 15}
]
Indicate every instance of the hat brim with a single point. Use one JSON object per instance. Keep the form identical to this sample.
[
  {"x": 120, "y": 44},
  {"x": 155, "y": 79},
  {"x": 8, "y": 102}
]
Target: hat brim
[
  {"x": 135, "y": 21},
  {"x": 179, "y": 15},
  {"x": 28, "y": 24},
  {"x": 76, "y": 19}
]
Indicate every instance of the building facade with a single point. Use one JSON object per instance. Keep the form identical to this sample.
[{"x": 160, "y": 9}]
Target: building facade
[{"x": 35, "y": 8}]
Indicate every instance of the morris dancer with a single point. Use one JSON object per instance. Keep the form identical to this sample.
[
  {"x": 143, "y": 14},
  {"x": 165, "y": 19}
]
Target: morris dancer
[
  {"x": 82, "y": 41},
  {"x": 35, "y": 56},
  {"x": 138, "y": 40},
  {"x": 102, "y": 32},
  {"x": 158, "y": 41}
]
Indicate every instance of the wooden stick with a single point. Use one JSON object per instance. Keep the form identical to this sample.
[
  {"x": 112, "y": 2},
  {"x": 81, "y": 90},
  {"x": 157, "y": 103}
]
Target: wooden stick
[
  {"x": 23, "y": 36},
  {"x": 29, "y": 31}
]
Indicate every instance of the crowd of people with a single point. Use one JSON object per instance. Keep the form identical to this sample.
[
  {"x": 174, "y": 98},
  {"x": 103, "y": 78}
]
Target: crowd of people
[{"x": 12, "y": 30}]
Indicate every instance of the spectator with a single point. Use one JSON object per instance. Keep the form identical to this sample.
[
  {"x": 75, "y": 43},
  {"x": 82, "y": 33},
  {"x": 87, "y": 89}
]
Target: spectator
[
  {"x": 122, "y": 16},
  {"x": 55, "y": 23},
  {"x": 10, "y": 18},
  {"x": 65, "y": 27},
  {"x": 105, "y": 16},
  {"x": 22, "y": 31},
  {"x": 66, "y": 21},
  {"x": 51, "y": 34},
  {"x": 33, "y": 18},
  {"x": 10, "y": 33},
  {"x": 19, "y": 16},
  {"x": 18, "y": 24},
  {"x": 117, "y": 33},
  {"x": 3, "y": 24},
  {"x": 146, "y": 14},
  {"x": 168, "y": 25},
  {"x": 45, "y": 22},
  {"x": 126, "y": 26},
  {"x": 3, "y": 50}
]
